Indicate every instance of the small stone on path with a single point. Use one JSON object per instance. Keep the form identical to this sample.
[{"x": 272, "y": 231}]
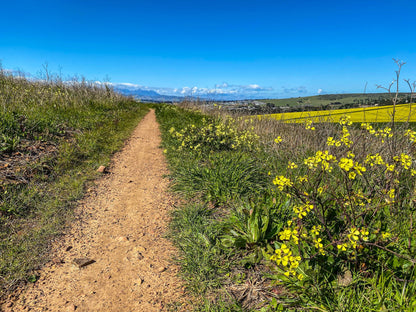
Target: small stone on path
[
  {"x": 71, "y": 308},
  {"x": 83, "y": 262},
  {"x": 139, "y": 256},
  {"x": 140, "y": 249},
  {"x": 139, "y": 281},
  {"x": 122, "y": 239}
]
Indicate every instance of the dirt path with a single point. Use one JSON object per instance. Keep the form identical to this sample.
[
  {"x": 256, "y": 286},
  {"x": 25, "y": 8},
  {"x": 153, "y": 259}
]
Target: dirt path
[{"x": 121, "y": 227}]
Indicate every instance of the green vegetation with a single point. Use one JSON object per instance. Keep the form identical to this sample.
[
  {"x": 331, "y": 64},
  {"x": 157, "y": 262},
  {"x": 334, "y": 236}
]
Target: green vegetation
[
  {"x": 53, "y": 137},
  {"x": 346, "y": 100},
  {"x": 296, "y": 216}
]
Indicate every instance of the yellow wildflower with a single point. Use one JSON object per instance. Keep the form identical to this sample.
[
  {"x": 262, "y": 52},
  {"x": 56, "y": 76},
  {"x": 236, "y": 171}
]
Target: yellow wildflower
[
  {"x": 330, "y": 141},
  {"x": 385, "y": 235},
  {"x": 346, "y": 164},
  {"x": 318, "y": 243},
  {"x": 278, "y": 140},
  {"x": 292, "y": 165},
  {"x": 282, "y": 182}
]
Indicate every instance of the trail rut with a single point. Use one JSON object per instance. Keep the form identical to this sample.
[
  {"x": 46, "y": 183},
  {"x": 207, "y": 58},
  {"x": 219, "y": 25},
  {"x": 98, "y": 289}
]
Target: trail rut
[{"x": 120, "y": 229}]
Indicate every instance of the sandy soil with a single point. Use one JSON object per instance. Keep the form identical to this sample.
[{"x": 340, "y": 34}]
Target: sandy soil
[{"x": 114, "y": 257}]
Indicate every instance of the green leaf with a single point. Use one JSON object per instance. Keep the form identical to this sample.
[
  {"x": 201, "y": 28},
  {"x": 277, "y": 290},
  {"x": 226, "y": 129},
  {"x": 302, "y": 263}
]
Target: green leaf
[{"x": 33, "y": 278}]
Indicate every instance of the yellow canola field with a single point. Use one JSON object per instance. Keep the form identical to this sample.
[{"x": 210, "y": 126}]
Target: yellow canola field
[{"x": 368, "y": 114}]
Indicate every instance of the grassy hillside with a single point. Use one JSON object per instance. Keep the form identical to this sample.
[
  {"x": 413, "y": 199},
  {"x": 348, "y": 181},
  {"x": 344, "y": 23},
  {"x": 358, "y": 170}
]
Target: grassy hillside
[
  {"x": 53, "y": 137},
  {"x": 336, "y": 100}
]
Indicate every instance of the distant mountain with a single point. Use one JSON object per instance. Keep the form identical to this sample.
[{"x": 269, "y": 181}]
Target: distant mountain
[
  {"x": 147, "y": 94},
  {"x": 144, "y": 94},
  {"x": 135, "y": 91}
]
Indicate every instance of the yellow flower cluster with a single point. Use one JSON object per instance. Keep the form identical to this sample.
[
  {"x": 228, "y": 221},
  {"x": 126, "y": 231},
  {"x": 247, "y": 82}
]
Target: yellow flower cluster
[
  {"x": 411, "y": 134},
  {"x": 368, "y": 127},
  {"x": 345, "y": 139},
  {"x": 374, "y": 160},
  {"x": 290, "y": 234},
  {"x": 350, "y": 154},
  {"x": 345, "y": 120},
  {"x": 321, "y": 157},
  {"x": 308, "y": 125},
  {"x": 282, "y": 182},
  {"x": 290, "y": 237},
  {"x": 354, "y": 235},
  {"x": 292, "y": 165},
  {"x": 390, "y": 167},
  {"x": 316, "y": 230},
  {"x": 278, "y": 139},
  {"x": 284, "y": 257},
  {"x": 391, "y": 193},
  {"x": 385, "y": 235},
  {"x": 332, "y": 142},
  {"x": 347, "y": 164},
  {"x": 302, "y": 210},
  {"x": 404, "y": 159},
  {"x": 220, "y": 135},
  {"x": 383, "y": 133},
  {"x": 319, "y": 245},
  {"x": 317, "y": 241},
  {"x": 302, "y": 179}
]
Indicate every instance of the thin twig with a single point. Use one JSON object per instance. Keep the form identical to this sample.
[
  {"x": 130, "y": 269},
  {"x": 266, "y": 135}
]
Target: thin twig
[{"x": 392, "y": 252}]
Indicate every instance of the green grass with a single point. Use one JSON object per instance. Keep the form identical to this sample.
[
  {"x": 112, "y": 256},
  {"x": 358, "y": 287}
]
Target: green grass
[
  {"x": 219, "y": 184},
  {"x": 196, "y": 231},
  {"x": 207, "y": 180},
  {"x": 53, "y": 138},
  {"x": 220, "y": 178},
  {"x": 234, "y": 217}
]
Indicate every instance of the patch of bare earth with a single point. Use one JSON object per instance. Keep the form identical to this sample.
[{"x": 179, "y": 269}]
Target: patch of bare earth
[{"x": 114, "y": 257}]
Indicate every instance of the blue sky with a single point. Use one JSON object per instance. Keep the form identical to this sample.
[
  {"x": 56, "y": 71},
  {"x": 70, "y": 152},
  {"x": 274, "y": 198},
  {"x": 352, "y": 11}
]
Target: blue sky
[{"x": 253, "y": 48}]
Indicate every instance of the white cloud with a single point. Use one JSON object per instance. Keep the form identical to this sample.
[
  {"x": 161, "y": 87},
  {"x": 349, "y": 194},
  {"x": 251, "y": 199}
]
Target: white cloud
[
  {"x": 223, "y": 90},
  {"x": 127, "y": 84},
  {"x": 185, "y": 90},
  {"x": 219, "y": 89},
  {"x": 223, "y": 85},
  {"x": 253, "y": 86},
  {"x": 243, "y": 89},
  {"x": 319, "y": 91}
]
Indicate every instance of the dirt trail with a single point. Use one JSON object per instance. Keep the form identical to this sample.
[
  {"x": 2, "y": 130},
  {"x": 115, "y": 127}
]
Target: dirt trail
[{"x": 121, "y": 226}]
